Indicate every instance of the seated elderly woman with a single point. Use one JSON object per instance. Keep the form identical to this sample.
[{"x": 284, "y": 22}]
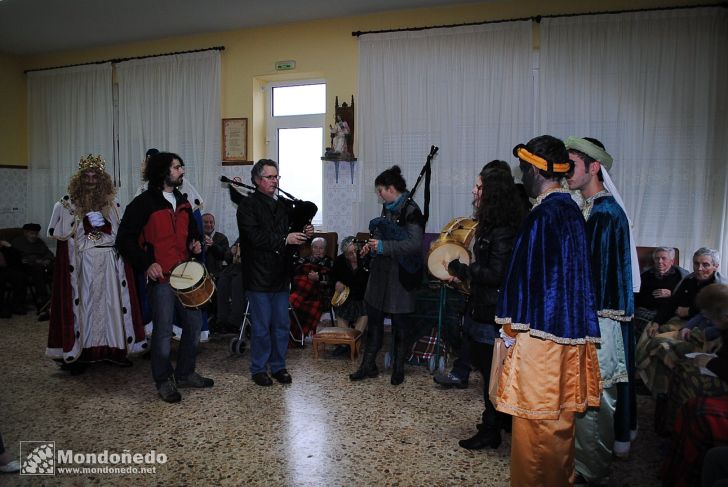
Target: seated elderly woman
[
  {"x": 309, "y": 287},
  {"x": 349, "y": 272},
  {"x": 662, "y": 343},
  {"x": 698, "y": 398}
]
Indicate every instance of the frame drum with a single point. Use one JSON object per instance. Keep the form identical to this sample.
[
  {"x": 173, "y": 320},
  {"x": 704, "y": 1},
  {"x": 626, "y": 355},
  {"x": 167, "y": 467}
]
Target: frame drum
[
  {"x": 454, "y": 243},
  {"x": 339, "y": 298},
  {"x": 192, "y": 284}
]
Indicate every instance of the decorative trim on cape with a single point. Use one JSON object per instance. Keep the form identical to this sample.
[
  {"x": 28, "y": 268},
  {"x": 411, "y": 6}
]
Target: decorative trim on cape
[
  {"x": 614, "y": 314},
  {"x": 545, "y": 335}
]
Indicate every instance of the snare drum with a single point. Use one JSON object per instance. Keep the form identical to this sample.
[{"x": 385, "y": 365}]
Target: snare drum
[
  {"x": 192, "y": 284},
  {"x": 454, "y": 243}
]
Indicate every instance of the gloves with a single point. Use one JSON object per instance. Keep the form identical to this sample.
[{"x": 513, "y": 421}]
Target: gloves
[
  {"x": 96, "y": 218},
  {"x": 507, "y": 340}
]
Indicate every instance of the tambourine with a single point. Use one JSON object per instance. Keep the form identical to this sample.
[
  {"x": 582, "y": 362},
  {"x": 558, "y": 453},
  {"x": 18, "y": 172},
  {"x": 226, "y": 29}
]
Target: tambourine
[{"x": 339, "y": 297}]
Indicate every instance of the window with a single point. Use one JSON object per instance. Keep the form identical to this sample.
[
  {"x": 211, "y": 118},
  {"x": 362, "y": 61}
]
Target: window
[{"x": 295, "y": 138}]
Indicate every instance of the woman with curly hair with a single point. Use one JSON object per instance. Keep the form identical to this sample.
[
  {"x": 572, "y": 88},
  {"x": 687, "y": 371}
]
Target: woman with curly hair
[{"x": 499, "y": 211}]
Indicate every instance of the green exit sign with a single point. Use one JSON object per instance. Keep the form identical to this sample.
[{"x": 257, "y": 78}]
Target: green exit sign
[{"x": 285, "y": 65}]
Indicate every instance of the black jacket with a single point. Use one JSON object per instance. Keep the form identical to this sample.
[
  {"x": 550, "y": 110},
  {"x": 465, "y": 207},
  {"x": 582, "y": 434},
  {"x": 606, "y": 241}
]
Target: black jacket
[
  {"x": 266, "y": 259},
  {"x": 492, "y": 253}
]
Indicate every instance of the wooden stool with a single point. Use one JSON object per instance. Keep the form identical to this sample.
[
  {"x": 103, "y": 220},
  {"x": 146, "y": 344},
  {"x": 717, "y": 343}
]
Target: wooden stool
[{"x": 336, "y": 335}]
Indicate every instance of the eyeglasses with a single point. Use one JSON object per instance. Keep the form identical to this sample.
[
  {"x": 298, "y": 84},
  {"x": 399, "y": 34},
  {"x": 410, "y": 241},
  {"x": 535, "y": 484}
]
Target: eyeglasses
[{"x": 271, "y": 178}]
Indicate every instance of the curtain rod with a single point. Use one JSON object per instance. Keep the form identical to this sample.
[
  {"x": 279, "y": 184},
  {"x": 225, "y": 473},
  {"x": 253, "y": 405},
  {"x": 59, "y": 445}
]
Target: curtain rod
[
  {"x": 536, "y": 18},
  {"x": 121, "y": 60}
]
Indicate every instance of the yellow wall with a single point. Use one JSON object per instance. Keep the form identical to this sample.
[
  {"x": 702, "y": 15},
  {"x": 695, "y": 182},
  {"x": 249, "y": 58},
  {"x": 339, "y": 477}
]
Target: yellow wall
[
  {"x": 12, "y": 113},
  {"x": 322, "y": 49}
]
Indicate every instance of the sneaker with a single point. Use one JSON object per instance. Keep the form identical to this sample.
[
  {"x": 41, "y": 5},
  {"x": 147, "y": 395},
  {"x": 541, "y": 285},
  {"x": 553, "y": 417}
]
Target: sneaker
[
  {"x": 195, "y": 380},
  {"x": 262, "y": 379},
  {"x": 283, "y": 376},
  {"x": 620, "y": 449},
  {"x": 450, "y": 380},
  {"x": 10, "y": 467},
  {"x": 168, "y": 391}
]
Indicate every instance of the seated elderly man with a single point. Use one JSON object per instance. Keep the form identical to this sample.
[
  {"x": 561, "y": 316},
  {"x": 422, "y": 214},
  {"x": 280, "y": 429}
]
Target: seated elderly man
[
  {"x": 230, "y": 294},
  {"x": 658, "y": 282},
  {"x": 310, "y": 286},
  {"x": 660, "y": 345},
  {"x": 682, "y": 304},
  {"x": 12, "y": 274},
  {"x": 37, "y": 260},
  {"x": 217, "y": 246}
]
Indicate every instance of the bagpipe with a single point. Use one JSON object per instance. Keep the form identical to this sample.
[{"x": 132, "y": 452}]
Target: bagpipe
[
  {"x": 384, "y": 229},
  {"x": 381, "y": 228},
  {"x": 300, "y": 212}
]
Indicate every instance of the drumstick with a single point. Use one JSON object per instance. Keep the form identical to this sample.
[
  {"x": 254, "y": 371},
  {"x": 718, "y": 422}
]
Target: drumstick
[{"x": 180, "y": 276}]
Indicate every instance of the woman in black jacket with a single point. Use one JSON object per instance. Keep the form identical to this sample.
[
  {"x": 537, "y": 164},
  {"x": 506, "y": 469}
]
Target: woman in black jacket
[{"x": 499, "y": 211}]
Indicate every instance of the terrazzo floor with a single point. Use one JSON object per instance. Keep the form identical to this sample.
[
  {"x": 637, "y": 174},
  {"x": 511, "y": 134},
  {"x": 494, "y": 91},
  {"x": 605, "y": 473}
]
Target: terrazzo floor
[{"x": 322, "y": 430}]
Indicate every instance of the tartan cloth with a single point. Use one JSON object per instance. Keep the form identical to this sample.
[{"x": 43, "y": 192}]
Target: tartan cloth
[
  {"x": 424, "y": 348},
  {"x": 701, "y": 424},
  {"x": 307, "y": 297},
  {"x": 655, "y": 357},
  {"x": 687, "y": 383}
]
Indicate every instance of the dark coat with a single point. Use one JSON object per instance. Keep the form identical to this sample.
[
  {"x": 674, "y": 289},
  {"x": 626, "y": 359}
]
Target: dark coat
[
  {"x": 492, "y": 253},
  {"x": 385, "y": 291},
  {"x": 217, "y": 253},
  {"x": 266, "y": 259}
]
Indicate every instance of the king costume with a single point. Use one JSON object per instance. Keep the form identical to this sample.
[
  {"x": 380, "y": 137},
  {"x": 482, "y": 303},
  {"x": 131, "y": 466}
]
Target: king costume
[
  {"x": 551, "y": 371},
  {"x": 94, "y": 308}
]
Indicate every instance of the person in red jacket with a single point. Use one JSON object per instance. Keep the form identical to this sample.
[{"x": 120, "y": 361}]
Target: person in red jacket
[{"x": 156, "y": 233}]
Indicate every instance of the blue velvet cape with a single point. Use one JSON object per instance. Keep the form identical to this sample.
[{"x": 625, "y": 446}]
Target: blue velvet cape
[
  {"x": 547, "y": 290},
  {"x": 607, "y": 231}
]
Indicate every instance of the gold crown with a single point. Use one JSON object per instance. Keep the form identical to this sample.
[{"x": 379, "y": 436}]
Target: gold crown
[{"x": 92, "y": 162}]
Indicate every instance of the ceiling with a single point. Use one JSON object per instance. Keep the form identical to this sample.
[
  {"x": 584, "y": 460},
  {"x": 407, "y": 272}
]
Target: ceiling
[{"x": 44, "y": 26}]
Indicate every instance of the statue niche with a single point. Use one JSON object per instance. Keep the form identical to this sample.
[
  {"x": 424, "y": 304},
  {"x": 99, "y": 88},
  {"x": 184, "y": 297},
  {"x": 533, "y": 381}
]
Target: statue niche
[{"x": 342, "y": 133}]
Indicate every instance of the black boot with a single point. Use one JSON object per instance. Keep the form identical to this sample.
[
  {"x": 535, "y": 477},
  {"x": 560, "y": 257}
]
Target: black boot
[
  {"x": 367, "y": 369},
  {"x": 486, "y": 438},
  {"x": 400, "y": 350},
  {"x": 488, "y": 434}
]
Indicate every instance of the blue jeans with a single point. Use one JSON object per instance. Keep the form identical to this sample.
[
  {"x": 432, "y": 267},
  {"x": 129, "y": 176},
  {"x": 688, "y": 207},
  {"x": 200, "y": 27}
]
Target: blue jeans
[
  {"x": 269, "y": 327},
  {"x": 164, "y": 303}
]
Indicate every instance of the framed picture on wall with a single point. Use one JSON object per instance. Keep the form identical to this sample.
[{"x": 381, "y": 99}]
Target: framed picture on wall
[{"x": 235, "y": 141}]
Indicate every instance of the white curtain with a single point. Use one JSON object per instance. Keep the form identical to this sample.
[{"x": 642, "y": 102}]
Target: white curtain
[
  {"x": 70, "y": 114},
  {"x": 172, "y": 103},
  {"x": 652, "y": 87},
  {"x": 467, "y": 90}
]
